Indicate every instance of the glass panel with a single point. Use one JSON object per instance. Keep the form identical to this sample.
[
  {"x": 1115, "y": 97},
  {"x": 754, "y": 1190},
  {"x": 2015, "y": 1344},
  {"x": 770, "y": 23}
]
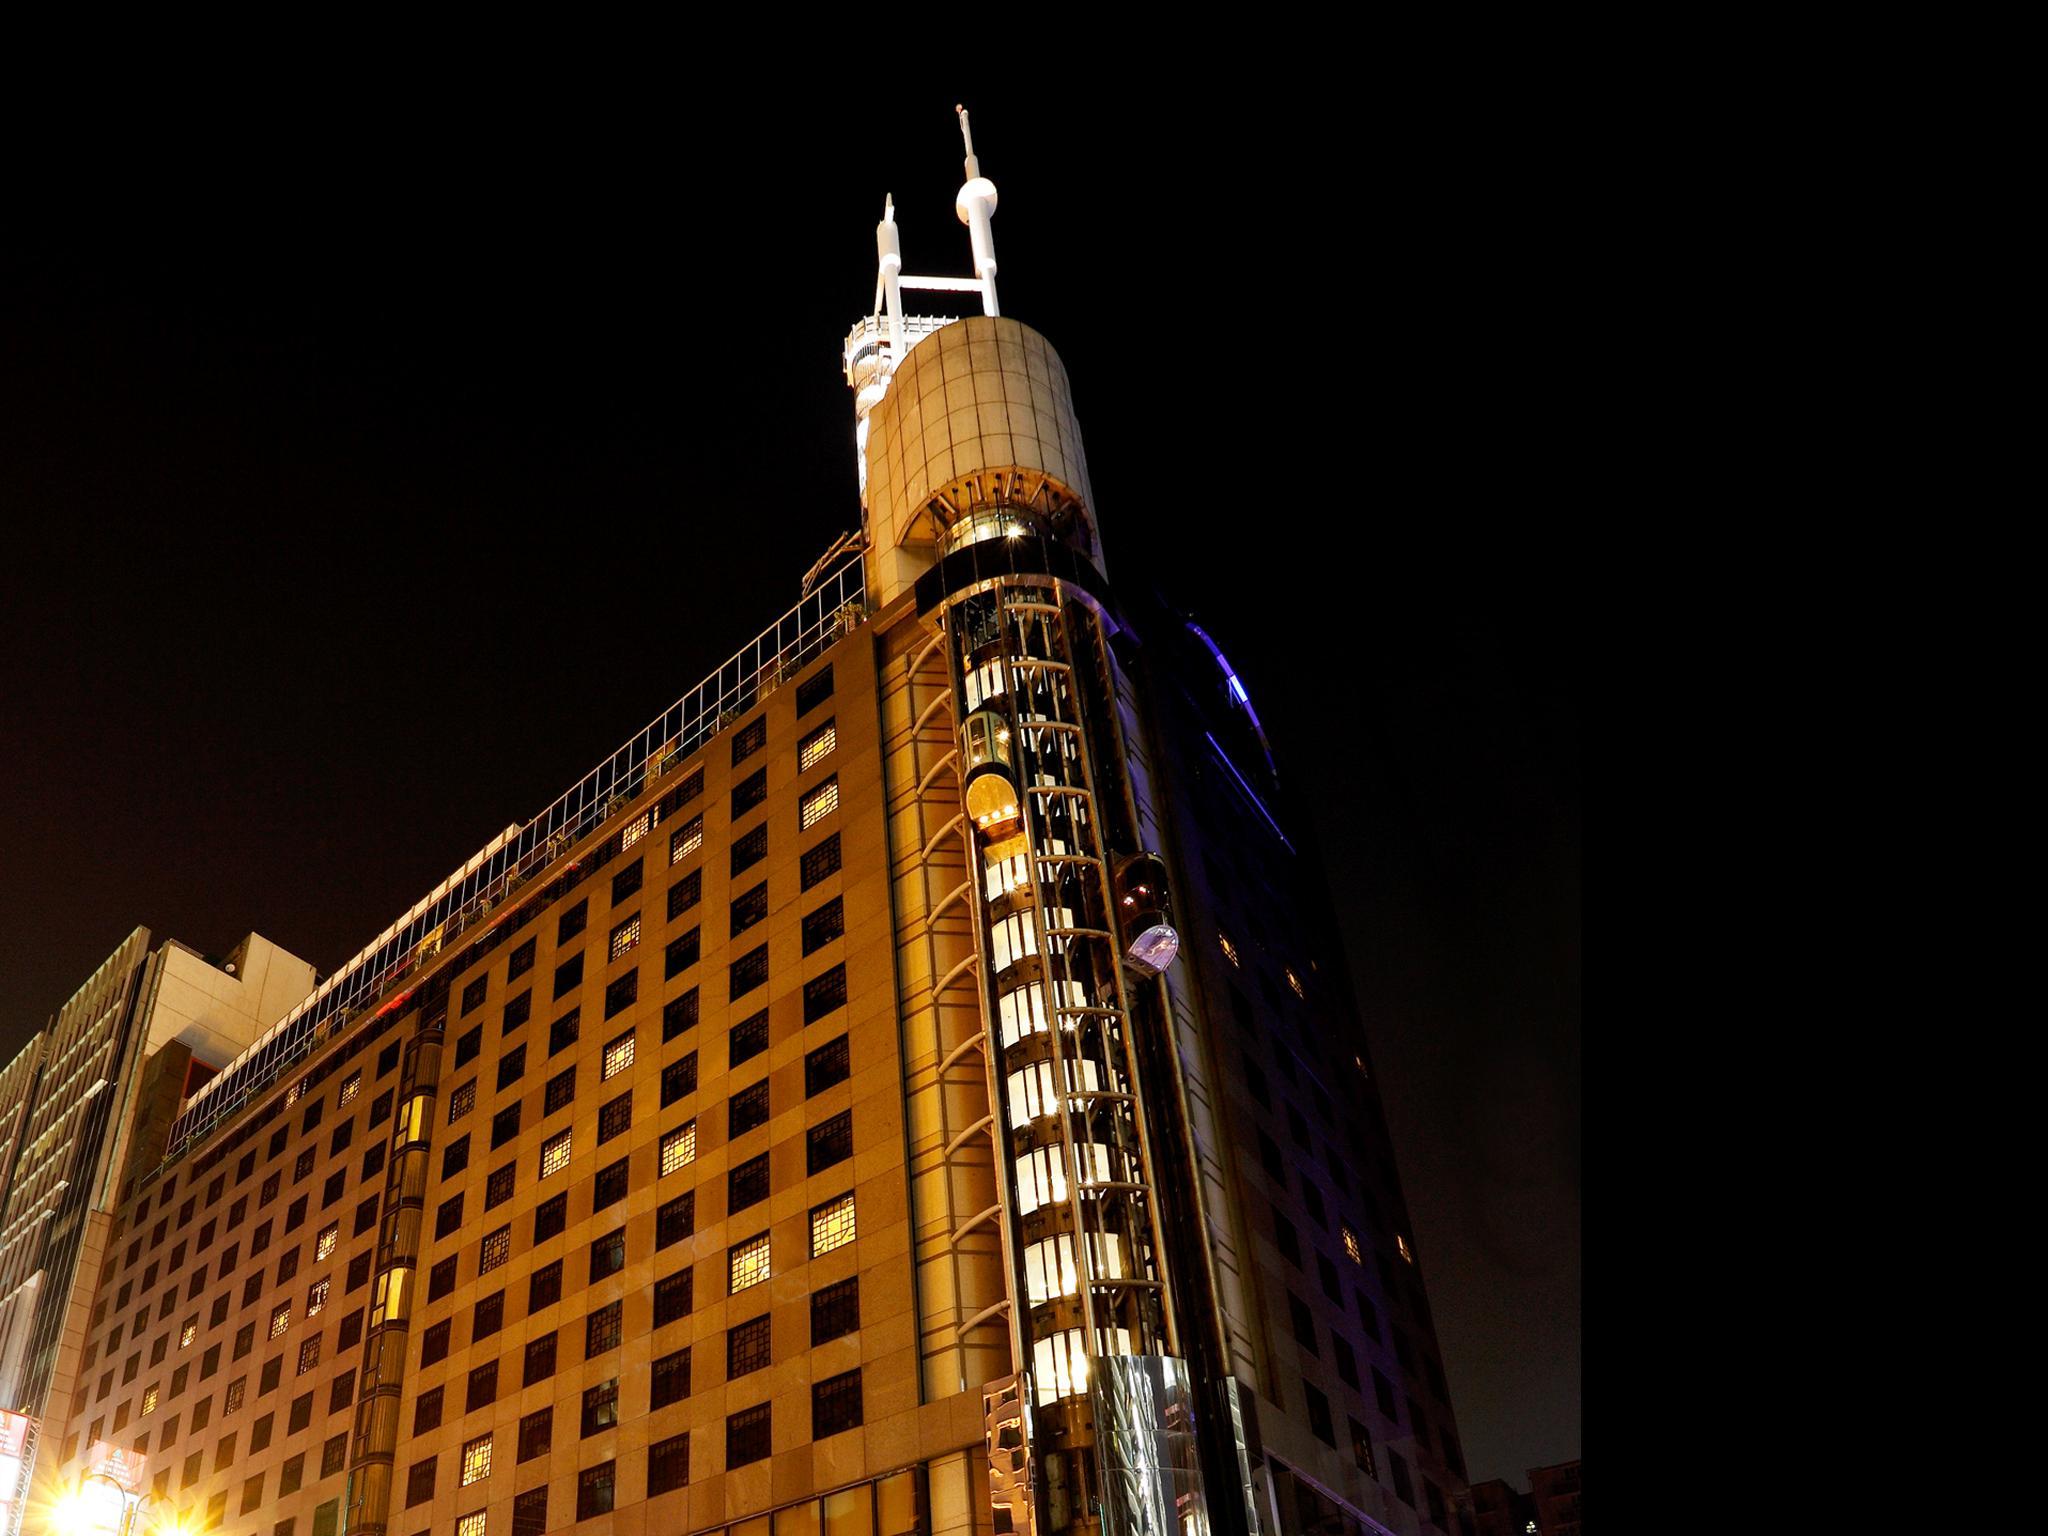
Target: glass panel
[
  {"x": 850, "y": 1512},
  {"x": 798, "y": 1520},
  {"x": 896, "y": 1505}
]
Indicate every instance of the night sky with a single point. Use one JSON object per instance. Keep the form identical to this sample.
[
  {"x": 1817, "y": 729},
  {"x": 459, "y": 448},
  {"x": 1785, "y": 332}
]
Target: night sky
[{"x": 360, "y": 489}]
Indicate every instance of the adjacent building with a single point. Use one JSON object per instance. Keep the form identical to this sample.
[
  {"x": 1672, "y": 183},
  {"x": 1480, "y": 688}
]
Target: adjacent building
[{"x": 911, "y": 1086}]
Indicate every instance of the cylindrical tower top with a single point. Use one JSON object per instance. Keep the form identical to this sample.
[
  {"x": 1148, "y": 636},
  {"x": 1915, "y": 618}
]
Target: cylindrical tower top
[{"x": 979, "y": 415}]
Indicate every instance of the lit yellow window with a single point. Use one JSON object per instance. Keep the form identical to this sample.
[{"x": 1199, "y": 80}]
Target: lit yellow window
[
  {"x": 817, "y": 746},
  {"x": 470, "y": 1525},
  {"x": 316, "y": 1296},
  {"x": 636, "y": 829},
  {"x": 149, "y": 1402},
  {"x": 1294, "y": 981},
  {"x": 188, "y": 1333},
  {"x": 324, "y": 1248},
  {"x": 1229, "y": 949},
  {"x": 476, "y": 1460},
  {"x": 619, "y": 1054},
  {"x": 554, "y": 1155},
  {"x": 686, "y": 840},
  {"x": 818, "y": 804},
  {"x": 291, "y": 1095},
  {"x": 1351, "y": 1247},
  {"x": 1401, "y": 1243},
  {"x": 349, "y": 1089},
  {"x": 679, "y": 1148},
  {"x": 625, "y": 936},
  {"x": 832, "y": 1225},
  {"x": 280, "y": 1319},
  {"x": 750, "y": 1263}
]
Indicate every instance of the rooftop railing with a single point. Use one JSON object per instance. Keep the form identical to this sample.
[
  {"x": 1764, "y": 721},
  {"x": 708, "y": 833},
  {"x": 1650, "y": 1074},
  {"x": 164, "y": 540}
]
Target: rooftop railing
[{"x": 832, "y": 609}]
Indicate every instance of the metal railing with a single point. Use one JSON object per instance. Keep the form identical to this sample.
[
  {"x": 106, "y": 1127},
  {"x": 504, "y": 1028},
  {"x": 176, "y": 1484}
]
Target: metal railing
[{"x": 833, "y": 608}]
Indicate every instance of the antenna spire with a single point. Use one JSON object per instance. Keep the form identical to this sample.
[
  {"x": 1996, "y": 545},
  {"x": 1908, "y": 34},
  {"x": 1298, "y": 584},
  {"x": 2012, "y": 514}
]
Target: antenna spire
[
  {"x": 967, "y": 138},
  {"x": 976, "y": 206}
]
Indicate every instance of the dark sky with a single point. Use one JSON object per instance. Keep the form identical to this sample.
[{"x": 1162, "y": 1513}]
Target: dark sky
[{"x": 362, "y": 488}]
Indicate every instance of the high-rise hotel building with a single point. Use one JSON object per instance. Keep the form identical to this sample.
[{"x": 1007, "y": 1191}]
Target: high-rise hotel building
[{"x": 909, "y": 1087}]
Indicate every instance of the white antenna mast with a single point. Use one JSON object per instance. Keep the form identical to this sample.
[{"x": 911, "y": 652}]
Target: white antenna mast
[{"x": 976, "y": 206}]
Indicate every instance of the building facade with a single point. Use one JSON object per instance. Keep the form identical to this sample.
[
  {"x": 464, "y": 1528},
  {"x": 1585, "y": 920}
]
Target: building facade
[{"x": 909, "y": 1087}]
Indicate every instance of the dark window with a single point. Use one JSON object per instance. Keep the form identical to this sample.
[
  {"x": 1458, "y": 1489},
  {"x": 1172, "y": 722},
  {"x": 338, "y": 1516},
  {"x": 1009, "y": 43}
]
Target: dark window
[
  {"x": 426, "y": 1412},
  {"x": 829, "y": 1143},
  {"x": 747, "y": 1109},
  {"x": 627, "y": 881},
  {"x": 550, "y": 1217},
  {"x": 544, "y": 1286},
  {"x": 1419, "y": 1423},
  {"x": 748, "y": 1436},
  {"x": 433, "y": 1343},
  {"x": 750, "y": 850},
  {"x": 611, "y": 1185},
  {"x": 473, "y": 994},
  {"x": 351, "y": 1330},
  {"x": 1361, "y": 1449},
  {"x": 530, "y": 1512},
  {"x": 668, "y": 1465},
  {"x": 600, "y": 1407},
  {"x": 676, "y": 1220},
  {"x": 1319, "y": 1415},
  {"x": 601, "y": 1330},
  {"x": 746, "y": 1347},
  {"x": 386, "y": 1060},
  {"x": 750, "y": 741},
  {"x": 344, "y": 1136},
  {"x": 512, "y": 1066},
  {"x": 824, "y": 994},
  {"x": 824, "y": 925},
  {"x": 1304, "y": 1324},
  {"x": 671, "y": 1379},
  {"x": 301, "y": 1415},
  {"x": 1402, "y": 1485},
  {"x": 1289, "y": 1241},
  {"x": 373, "y": 1161},
  {"x": 569, "y": 975},
  {"x": 672, "y": 1297},
  {"x": 1327, "y": 1273},
  {"x": 1383, "y": 1394},
  {"x": 678, "y": 1079},
  {"x": 359, "y": 1270},
  {"x": 679, "y": 1015},
  {"x": 835, "y": 1311},
  {"x": 562, "y": 1033},
  {"x": 747, "y": 1184},
  {"x": 366, "y": 1217},
  {"x": 419, "y": 1482},
  {"x": 536, "y": 1434},
  {"x": 449, "y": 1217},
  {"x": 835, "y": 1405},
  {"x": 561, "y": 1091},
  {"x": 341, "y": 1392},
  {"x": 748, "y": 972},
  {"x": 820, "y": 861},
  {"x": 490, "y": 1316},
  {"x": 295, "y": 1214},
  {"x": 749, "y": 909},
  {"x": 1347, "y": 1362},
  {"x": 521, "y": 961},
  {"x": 681, "y": 953},
  {"x": 615, "y": 1118},
  {"x": 814, "y": 690},
  {"x": 572, "y": 922},
  {"x": 505, "y": 1125},
  {"x": 467, "y": 1047},
  {"x": 621, "y": 993},
  {"x": 827, "y": 1065},
  {"x": 335, "y": 1187},
  {"x": 594, "y": 1489},
  {"x": 288, "y": 1481},
  {"x": 518, "y": 1011},
  {"x": 685, "y": 893},
  {"x": 441, "y": 1279},
  {"x": 747, "y": 1039},
  {"x": 749, "y": 792},
  {"x": 607, "y": 1255},
  {"x": 483, "y": 1387},
  {"x": 540, "y": 1354}
]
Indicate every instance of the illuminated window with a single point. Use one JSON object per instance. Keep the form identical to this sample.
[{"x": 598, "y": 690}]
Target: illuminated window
[
  {"x": 636, "y": 829},
  {"x": 679, "y": 1148},
  {"x": 316, "y": 1296},
  {"x": 149, "y": 1402},
  {"x": 1351, "y": 1247},
  {"x": 818, "y": 804},
  {"x": 476, "y": 1460},
  {"x": 1229, "y": 949},
  {"x": 626, "y": 936},
  {"x": 350, "y": 1087},
  {"x": 749, "y": 1263},
  {"x": 618, "y": 1056},
  {"x": 554, "y": 1154},
  {"x": 188, "y": 1333},
  {"x": 236, "y": 1390},
  {"x": 496, "y": 1250},
  {"x": 1294, "y": 981},
  {"x": 280, "y": 1318},
  {"x": 832, "y": 1225},
  {"x": 470, "y": 1525},
  {"x": 817, "y": 746},
  {"x": 323, "y": 1246},
  {"x": 686, "y": 840},
  {"x": 1401, "y": 1243}
]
